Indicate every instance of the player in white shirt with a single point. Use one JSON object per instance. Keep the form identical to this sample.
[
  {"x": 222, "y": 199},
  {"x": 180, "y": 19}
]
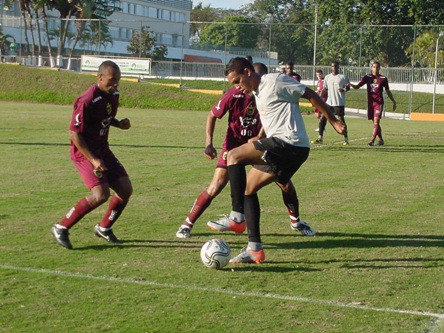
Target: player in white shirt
[
  {"x": 281, "y": 153},
  {"x": 335, "y": 85}
]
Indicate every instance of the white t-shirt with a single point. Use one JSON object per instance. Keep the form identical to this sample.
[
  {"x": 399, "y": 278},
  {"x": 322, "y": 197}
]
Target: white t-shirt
[
  {"x": 277, "y": 99},
  {"x": 333, "y": 83}
]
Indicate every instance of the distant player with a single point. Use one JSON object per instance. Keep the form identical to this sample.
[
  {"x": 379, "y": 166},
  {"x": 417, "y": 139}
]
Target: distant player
[
  {"x": 376, "y": 83},
  {"x": 335, "y": 85},
  {"x": 243, "y": 126},
  {"x": 321, "y": 92},
  {"x": 94, "y": 112},
  {"x": 289, "y": 70}
]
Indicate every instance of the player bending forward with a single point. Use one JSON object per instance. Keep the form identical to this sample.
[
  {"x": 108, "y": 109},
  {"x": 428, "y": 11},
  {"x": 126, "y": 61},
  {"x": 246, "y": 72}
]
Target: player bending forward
[
  {"x": 243, "y": 126},
  {"x": 284, "y": 150}
]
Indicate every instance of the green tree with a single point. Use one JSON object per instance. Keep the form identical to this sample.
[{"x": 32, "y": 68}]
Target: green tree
[
  {"x": 425, "y": 48},
  {"x": 143, "y": 45},
  {"x": 237, "y": 31}
]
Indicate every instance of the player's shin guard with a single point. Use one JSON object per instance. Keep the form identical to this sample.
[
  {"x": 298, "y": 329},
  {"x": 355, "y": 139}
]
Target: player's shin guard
[
  {"x": 376, "y": 130},
  {"x": 291, "y": 201},
  {"x": 253, "y": 216},
  {"x": 115, "y": 209},
  {"x": 238, "y": 180},
  {"x": 76, "y": 213},
  {"x": 202, "y": 202}
]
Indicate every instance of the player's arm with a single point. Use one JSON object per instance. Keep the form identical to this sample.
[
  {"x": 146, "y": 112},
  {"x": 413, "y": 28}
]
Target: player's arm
[
  {"x": 210, "y": 151},
  {"x": 259, "y": 136},
  {"x": 122, "y": 124},
  {"x": 81, "y": 145},
  {"x": 359, "y": 85},
  {"x": 318, "y": 103},
  {"x": 390, "y": 95}
]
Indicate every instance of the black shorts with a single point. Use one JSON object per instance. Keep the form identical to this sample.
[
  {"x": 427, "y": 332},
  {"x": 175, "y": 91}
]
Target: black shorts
[
  {"x": 338, "y": 110},
  {"x": 283, "y": 158}
]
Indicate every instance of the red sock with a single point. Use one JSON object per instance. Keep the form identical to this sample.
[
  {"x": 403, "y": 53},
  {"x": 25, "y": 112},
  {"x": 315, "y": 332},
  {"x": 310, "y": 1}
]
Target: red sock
[
  {"x": 76, "y": 213},
  {"x": 115, "y": 208},
  {"x": 376, "y": 130},
  {"x": 202, "y": 202},
  {"x": 291, "y": 201}
]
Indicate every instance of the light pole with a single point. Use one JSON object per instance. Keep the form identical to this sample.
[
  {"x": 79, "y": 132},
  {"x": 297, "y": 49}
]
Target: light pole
[{"x": 441, "y": 33}]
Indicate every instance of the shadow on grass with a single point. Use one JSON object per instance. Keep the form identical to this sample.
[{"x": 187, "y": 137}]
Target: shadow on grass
[{"x": 326, "y": 241}]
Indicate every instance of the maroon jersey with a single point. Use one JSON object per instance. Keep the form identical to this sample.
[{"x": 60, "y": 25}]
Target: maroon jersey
[
  {"x": 93, "y": 112},
  {"x": 295, "y": 76},
  {"x": 375, "y": 87},
  {"x": 243, "y": 117}
]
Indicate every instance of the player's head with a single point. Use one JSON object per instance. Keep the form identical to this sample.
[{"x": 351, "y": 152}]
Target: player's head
[
  {"x": 376, "y": 66},
  {"x": 334, "y": 67},
  {"x": 260, "y": 68},
  {"x": 239, "y": 71},
  {"x": 108, "y": 77},
  {"x": 289, "y": 67},
  {"x": 319, "y": 74},
  {"x": 249, "y": 58}
]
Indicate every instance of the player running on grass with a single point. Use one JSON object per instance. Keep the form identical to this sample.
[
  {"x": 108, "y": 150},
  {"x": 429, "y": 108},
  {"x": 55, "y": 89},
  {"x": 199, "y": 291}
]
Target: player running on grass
[
  {"x": 284, "y": 150},
  {"x": 243, "y": 126},
  {"x": 376, "y": 83},
  {"x": 94, "y": 112}
]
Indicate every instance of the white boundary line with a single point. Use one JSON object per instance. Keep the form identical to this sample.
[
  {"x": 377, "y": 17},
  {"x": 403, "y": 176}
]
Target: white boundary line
[{"x": 222, "y": 291}]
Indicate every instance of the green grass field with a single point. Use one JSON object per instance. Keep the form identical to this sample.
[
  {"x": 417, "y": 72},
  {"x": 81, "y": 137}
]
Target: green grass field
[{"x": 376, "y": 264}]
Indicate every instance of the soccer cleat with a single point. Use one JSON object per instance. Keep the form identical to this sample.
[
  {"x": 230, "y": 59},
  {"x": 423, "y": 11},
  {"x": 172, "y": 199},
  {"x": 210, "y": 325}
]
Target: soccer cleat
[
  {"x": 371, "y": 144},
  {"x": 318, "y": 141},
  {"x": 226, "y": 223},
  {"x": 106, "y": 235},
  {"x": 61, "y": 236},
  {"x": 346, "y": 143},
  {"x": 317, "y": 129},
  {"x": 248, "y": 256},
  {"x": 183, "y": 232},
  {"x": 380, "y": 142},
  {"x": 303, "y": 228}
]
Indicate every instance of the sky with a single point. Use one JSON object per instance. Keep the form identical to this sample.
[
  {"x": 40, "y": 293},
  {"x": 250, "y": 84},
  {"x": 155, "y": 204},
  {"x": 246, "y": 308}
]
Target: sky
[{"x": 225, "y": 4}]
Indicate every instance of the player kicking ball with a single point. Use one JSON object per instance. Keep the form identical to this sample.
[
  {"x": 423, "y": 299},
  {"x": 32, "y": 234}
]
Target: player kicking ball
[{"x": 284, "y": 150}]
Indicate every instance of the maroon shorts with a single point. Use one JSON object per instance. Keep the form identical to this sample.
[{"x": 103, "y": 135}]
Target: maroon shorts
[
  {"x": 222, "y": 161},
  {"x": 86, "y": 169},
  {"x": 374, "y": 110}
]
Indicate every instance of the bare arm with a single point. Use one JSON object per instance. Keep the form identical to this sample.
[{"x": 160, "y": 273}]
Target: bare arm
[
  {"x": 210, "y": 151},
  {"x": 259, "y": 136},
  {"x": 389, "y": 94},
  {"x": 81, "y": 145},
  {"x": 318, "y": 103},
  {"x": 122, "y": 124}
]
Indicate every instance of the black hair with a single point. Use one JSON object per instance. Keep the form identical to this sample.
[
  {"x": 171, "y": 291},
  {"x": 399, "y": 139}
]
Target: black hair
[
  {"x": 262, "y": 69},
  {"x": 238, "y": 65}
]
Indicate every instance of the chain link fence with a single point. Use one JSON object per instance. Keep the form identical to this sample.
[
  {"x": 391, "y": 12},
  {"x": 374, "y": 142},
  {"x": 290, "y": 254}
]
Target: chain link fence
[{"x": 412, "y": 57}]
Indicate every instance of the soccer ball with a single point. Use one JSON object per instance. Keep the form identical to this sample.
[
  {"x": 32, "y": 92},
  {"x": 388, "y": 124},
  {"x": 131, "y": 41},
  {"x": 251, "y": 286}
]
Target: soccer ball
[{"x": 215, "y": 253}]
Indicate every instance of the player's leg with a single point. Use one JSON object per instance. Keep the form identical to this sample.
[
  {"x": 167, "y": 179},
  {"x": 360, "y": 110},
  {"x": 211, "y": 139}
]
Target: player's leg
[
  {"x": 99, "y": 194},
  {"x": 322, "y": 124},
  {"x": 340, "y": 112},
  {"x": 379, "y": 108},
  {"x": 291, "y": 201},
  {"x": 237, "y": 159},
  {"x": 254, "y": 252},
  {"x": 118, "y": 181},
  {"x": 371, "y": 116},
  {"x": 203, "y": 201},
  {"x": 123, "y": 190}
]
